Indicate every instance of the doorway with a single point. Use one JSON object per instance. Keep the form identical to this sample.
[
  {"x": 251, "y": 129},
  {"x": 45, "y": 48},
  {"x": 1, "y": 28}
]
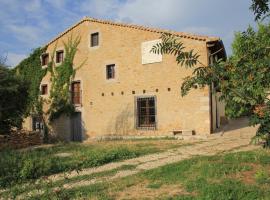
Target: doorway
[{"x": 76, "y": 127}]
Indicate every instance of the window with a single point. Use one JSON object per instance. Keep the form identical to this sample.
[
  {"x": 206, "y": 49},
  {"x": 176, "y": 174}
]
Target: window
[
  {"x": 59, "y": 56},
  {"x": 76, "y": 93},
  {"x": 45, "y": 59},
  {"x": 44, "y": 89},
  {"x": 110, "y": 71},
  {"x": 146, "y": 112},
  {"x": 94, "y": 39},
  {"x": 37, "y": 124}
]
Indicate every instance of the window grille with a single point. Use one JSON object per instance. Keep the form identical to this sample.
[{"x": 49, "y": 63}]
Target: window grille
[{"x": 146, "y": 112}]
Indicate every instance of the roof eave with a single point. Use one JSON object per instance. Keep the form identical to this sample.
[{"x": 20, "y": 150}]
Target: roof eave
[{"x": 179, "y": 34}]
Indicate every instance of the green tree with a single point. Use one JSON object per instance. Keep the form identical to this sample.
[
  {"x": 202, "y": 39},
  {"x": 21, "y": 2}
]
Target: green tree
[
  {"x": 260, "y": 9},
  {"x": 13, "y": 99},
  {"x": 243, "y": 79}
]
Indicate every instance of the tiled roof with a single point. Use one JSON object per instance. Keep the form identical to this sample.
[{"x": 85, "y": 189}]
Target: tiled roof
[{"x": 143, "y": 28}]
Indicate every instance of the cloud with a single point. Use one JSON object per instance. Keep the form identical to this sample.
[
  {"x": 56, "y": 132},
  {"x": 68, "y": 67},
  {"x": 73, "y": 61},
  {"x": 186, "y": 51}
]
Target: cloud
[
  {"x": 23, "y": 22},
  {"x": 33, "y": 6},
  {"x": 28, "y": 24},
  {"x": 207, "y": 17},
  {"x": 155, "y": 13},
  {"x": 100, "y": 8},
  {"x": 199, "y": 30},
  {"x": 58, "y": 4},
  {"x": 14, "y": 59},
  {"x": 26, "y": 34}
]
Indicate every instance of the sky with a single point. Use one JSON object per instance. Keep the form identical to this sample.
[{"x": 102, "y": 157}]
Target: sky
[{"x": 28, "y": 24}]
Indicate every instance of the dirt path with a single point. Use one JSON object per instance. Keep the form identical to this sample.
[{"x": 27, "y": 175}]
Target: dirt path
[{"x": 234, "y": 137}]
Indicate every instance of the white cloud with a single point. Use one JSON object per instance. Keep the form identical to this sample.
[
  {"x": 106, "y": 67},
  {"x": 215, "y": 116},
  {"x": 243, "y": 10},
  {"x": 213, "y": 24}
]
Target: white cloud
[
  {"x": 199, "y": 30},
  {"x": 28, "y": 24},
  {"x": 14, "y": 59},
  {"x": 149, "y": 12},
  {"x": 59, "y": 4},
  {"x": 26, "y": 34},
  {"x": 33, "y": 6},
  {"x": 207, "y": 17},
  {"x": 100, "y": 8}
]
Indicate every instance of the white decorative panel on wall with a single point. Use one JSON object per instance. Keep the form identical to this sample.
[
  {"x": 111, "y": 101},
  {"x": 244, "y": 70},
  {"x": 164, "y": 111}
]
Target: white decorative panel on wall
[{"x": 147, "y": 57}]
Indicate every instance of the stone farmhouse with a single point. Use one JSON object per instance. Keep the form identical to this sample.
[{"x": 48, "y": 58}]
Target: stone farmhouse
[{"x": 124, "y": 90}]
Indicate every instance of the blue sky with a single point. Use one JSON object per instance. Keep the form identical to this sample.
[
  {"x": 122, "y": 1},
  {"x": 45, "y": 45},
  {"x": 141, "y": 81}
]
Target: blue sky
[{"x": 27, "y": 24}]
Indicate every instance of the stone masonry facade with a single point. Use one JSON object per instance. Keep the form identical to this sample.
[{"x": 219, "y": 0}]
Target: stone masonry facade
[{"x": 109, "y": 107}]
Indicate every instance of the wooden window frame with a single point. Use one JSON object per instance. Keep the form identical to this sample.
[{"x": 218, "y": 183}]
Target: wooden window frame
[
  {"x": 96, "y": 43},
  {"x": 43, "y": 62},
  {"x": 44, "y": 92},
  {"x": 110, "y": 71},
  {"x": 57, "y": 58},
  {"x": 145, "y": 117},
  {"x": 76, "y": 98}
]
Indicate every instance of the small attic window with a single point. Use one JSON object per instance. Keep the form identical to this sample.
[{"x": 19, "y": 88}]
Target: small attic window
[
  {"x": 45, "y": 59},
  {"x": 94, "y": 39}
]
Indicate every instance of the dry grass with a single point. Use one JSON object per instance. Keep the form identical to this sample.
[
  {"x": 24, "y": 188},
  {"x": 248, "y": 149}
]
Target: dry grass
[{"x": 145, "y": 190}]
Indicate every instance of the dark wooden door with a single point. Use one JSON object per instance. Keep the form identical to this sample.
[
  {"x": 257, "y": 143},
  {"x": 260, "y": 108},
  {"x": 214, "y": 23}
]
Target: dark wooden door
[{"x": 76, "y": 127}]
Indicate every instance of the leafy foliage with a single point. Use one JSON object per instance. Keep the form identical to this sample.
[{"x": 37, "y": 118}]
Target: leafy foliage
[
  {"x": 244, "y": 79},
  {"x": 30, "y": 70},
  {"x": 172, "y": 45},
  {"x": 3, "y": 60},
  {"x": 13, "y": 101},
  {"x": 260, "y": 9},
  {"x": 61, "y": 77}
]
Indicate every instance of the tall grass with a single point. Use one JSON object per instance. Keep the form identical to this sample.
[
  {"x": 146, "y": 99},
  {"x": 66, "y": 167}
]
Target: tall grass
[{"x": 20, "y": 166}]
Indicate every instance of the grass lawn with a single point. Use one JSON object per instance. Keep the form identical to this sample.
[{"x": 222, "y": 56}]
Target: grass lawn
[
  {"x": 232, "y": 176},
  {"x": 25, "y": 165}
]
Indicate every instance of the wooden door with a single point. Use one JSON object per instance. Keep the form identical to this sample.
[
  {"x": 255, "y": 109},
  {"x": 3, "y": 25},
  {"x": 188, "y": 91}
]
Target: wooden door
[{"x": 76, "y": 127}]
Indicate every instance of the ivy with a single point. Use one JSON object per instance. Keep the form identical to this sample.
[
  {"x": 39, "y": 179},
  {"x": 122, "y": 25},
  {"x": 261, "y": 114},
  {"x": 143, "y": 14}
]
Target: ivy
[
  {"x": 61, "y": 78},
  {"x": 30, "y": 70},
  {"x": 59, "y": 102}
]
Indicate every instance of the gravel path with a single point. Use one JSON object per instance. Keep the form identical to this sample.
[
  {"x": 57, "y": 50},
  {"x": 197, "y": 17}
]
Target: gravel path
[{"x": 233, "y": 138}]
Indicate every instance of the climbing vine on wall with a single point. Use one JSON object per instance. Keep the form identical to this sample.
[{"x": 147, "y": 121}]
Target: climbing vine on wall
[
  {"x": 30, "y": 70},
  {"x": 61, "y": 78}
]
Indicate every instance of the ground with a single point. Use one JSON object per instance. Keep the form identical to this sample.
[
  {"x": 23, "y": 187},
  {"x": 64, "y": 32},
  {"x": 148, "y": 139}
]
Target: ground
[{"x": 223, "y": 166}]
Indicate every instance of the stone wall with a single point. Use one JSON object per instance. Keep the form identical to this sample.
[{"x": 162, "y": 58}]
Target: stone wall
[
  {"x": 109, "y": 106},
  {"x": 20, "y": 140}
]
